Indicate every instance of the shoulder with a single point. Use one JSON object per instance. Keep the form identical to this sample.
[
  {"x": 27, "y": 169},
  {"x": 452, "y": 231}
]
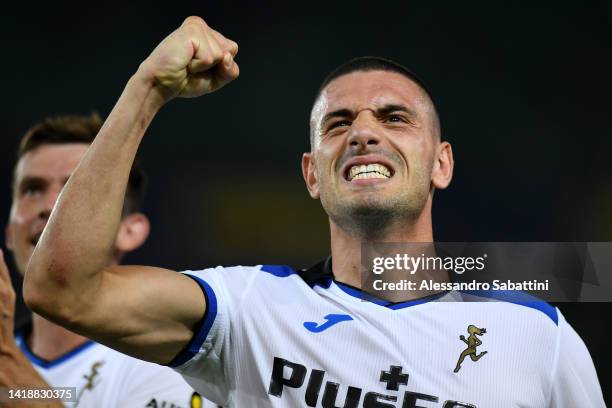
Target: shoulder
[
  {"x": 519, "y": 304},
  {"x": 238, "y": 277},
  {"x": 228, "y": 290},
  {"x": 280, "y": 271}
]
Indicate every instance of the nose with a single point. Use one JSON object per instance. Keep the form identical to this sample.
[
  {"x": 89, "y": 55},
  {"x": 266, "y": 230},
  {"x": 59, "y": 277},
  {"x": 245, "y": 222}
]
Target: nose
[{"x": 364, "y": 131}]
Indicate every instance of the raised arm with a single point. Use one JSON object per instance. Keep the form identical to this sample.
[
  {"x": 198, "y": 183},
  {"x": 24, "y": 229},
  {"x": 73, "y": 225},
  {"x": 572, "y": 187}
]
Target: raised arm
[{"x": 146, "y": 312}]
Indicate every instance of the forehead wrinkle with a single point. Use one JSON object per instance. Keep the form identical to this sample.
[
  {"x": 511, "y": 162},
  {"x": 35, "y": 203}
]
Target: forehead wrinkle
[
  {"x": 399, "y": 90},
  {"x": 384, "y": 96}
]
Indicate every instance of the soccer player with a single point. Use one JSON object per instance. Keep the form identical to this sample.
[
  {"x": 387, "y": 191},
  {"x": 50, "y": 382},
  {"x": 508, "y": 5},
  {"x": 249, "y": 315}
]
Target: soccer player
[
  {"x": 48, "y": 154},
  {"x": 271, "y": 336}
]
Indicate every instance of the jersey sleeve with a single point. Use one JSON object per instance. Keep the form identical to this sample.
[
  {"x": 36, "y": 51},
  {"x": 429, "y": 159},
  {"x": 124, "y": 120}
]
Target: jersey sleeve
[
  {"x": 207, "y": 362},
  {"x": 574, "y": 379}
]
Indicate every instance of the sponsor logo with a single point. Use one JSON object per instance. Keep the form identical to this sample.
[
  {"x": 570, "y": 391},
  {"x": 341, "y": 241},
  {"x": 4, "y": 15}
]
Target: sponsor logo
[
  {"x": 332, "y": 319},
  {"x": 286, "y": 374},
  {"x": 90, "y": 380},
  {"x": 196, "y": 401},
  {"x": 161, "y": 404}
]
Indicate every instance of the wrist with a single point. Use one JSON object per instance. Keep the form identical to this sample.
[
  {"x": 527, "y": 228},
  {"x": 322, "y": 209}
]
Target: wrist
[{"x": 145, "y": 79}]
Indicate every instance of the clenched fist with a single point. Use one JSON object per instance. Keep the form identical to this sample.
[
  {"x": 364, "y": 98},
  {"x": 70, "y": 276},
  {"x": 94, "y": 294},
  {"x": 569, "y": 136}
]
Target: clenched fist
[{"x": 194, "y": 60}]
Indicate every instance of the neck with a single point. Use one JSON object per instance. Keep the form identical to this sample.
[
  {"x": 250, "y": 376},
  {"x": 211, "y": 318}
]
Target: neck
[
  {"x": 346, "y": 246},
  {"x": 50, "y": 341}
]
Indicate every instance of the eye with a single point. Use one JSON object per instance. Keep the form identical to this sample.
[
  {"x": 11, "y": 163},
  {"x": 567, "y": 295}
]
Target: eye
[
  {"x": 31, "y": 190},
  {"x": 339, "y": 123},
  {"x": 395, "y": 119}
]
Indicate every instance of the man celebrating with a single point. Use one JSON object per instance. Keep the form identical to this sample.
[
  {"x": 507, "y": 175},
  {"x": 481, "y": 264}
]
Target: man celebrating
[
  {"x": 47, "y": 156},
  {"x": 268, "y": 336}
]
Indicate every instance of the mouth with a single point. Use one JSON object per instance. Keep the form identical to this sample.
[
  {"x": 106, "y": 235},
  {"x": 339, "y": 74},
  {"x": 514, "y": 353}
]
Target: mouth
[
  {"x": 370, "y": 171},
  {"x": 364, "y": 168}
]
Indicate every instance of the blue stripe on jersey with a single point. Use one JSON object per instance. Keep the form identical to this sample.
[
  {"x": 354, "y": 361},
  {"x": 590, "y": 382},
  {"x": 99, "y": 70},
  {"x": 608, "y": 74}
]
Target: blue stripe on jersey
[
  {"x": 359, "y": 294},
  {"x": 193, "y": 347},
  {"x": 514, "y": 297},
  {"x": 282, "y": 271},
  {"x": 518, "y": 298},
  {"x": 34, "y": 359},
  {"x": 426, "y": 299}
]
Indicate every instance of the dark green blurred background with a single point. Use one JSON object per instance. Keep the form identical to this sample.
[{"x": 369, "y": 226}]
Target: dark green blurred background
[{"x": 523, "y": 93}]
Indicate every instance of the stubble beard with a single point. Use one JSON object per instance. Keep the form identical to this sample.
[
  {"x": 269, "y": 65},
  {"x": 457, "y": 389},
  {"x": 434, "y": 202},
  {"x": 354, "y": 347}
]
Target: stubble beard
[{"x": 371, "y": 218}]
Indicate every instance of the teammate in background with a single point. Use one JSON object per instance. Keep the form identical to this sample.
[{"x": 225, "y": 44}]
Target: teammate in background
[
  {"x": 270, "y": 336},
  {"x": 48, "y": 154},
  {"x": 16, "y": 369}
]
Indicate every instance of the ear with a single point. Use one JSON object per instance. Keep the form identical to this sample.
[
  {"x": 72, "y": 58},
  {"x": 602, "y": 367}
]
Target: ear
[
  {"x": 133, "y": 231},
  {"x": 442, "y": 172},
  {"x": 309, "y": 171},
  {"x": 8, "y": 236}
]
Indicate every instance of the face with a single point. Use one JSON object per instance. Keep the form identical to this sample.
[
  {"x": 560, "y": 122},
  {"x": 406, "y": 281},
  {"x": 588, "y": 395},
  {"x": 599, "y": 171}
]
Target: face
[
  {"x": 375, "y": 150},
  {"x": 40, "y": 176}
]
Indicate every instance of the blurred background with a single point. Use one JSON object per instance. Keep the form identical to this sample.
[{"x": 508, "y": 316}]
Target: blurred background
[{"x": 523, "y": 93}]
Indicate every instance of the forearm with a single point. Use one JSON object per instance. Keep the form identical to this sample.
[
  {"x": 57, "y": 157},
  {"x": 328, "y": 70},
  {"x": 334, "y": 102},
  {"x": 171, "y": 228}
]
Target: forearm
[
  {"x": 67, "y": 280},
  {"x": 79, "y": 237}
]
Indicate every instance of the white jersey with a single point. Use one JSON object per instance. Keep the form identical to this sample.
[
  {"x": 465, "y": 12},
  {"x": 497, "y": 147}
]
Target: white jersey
[
  {"x": 275, "y": 337},
  {"x": 105, "y": 378}
]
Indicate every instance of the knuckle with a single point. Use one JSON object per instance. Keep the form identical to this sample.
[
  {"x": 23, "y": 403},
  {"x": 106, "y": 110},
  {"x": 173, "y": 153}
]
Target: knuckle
[
  {"x": 218, "y": 54},
  {"x": 214, "y": 45},
  {"x": 194, "y": 20},
  {"x": 208, "y": 59}
]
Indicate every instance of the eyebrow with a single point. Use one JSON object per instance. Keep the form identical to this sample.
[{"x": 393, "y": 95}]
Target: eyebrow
[
  {"x": 28, "y": 180},
  {"x": 390, "y": 108},
  {"x": 382, "y": 111},
  {"x": 32, "y": 179},
  {"x": 340, "y": 113}
]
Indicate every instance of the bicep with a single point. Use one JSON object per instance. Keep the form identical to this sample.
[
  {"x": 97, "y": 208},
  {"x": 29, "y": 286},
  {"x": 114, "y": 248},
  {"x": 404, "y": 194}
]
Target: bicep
[{"x": 146, "y": 312}]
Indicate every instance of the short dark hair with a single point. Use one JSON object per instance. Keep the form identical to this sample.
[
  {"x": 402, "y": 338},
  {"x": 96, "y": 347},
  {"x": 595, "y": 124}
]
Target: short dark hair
[
  {"x": 372, "y": 63},
  {"x": 82, "y": 129}
]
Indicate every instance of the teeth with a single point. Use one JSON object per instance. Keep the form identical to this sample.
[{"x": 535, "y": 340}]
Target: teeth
[
  {"x": 374, "y": 170},
  {"x": 374, "y": 175}
]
